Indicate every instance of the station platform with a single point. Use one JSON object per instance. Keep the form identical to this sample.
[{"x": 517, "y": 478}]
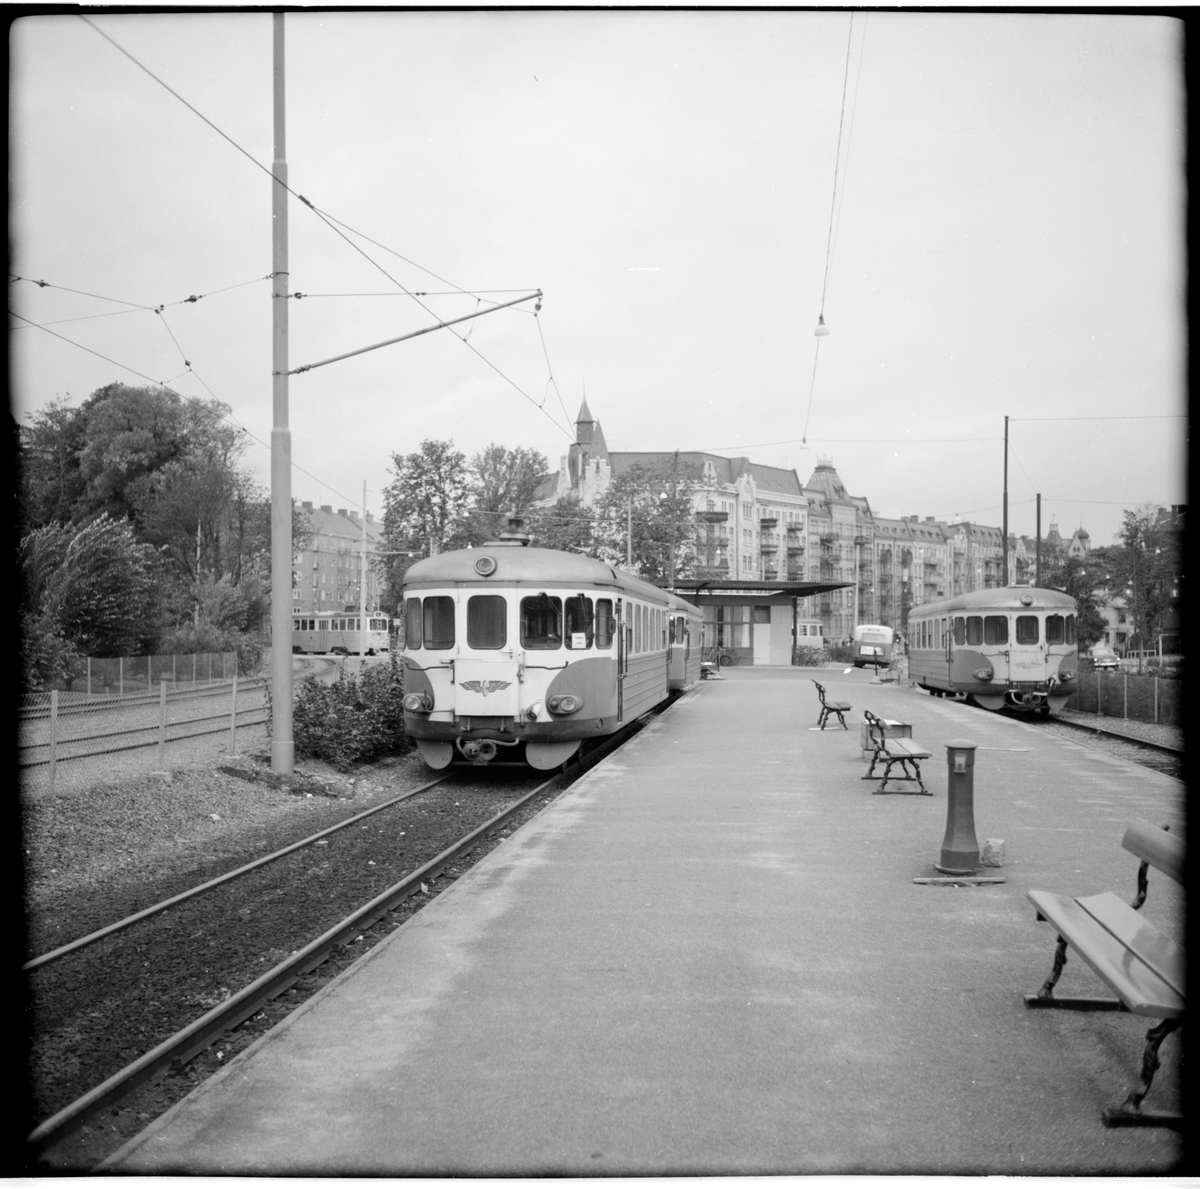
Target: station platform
[{"x": 709, "y": 957}]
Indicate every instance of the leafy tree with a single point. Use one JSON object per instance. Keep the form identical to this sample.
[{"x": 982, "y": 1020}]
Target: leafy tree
[
  {"x": 425, "y": 509},
  {"x": 658, "y": 499},
  {"x": 1147, "y": 569},
  {"x": 504, "y": 483},
  {"x": 94, "y": 586},
  {"x": 566, "y": 525},
  {"x": 51, "y": 482}
]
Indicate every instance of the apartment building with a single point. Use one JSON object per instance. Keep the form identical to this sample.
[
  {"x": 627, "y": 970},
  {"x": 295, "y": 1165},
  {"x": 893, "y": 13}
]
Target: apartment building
[{"x": 327, "y": 575}]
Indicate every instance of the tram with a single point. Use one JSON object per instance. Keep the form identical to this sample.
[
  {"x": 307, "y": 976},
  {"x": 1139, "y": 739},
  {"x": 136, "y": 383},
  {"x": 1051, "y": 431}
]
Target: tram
[
  {"x": 340, "y": 633},
  {"x": 1011, "y": 647}
]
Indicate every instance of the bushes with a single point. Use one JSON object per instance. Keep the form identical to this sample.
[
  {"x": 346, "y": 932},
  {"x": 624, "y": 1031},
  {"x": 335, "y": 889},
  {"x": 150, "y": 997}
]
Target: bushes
[
  {"x": 356, "y": 719},
  {"x": 840, "y": 654},
  {"x": 806, "y": 655}
]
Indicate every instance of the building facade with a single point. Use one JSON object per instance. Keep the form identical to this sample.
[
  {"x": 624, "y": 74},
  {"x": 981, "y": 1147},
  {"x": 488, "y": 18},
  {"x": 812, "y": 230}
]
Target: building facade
[{"x": 327, "y": 575}]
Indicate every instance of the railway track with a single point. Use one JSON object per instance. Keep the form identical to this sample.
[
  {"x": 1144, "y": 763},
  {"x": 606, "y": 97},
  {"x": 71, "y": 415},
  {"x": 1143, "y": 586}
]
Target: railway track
[
  {"x": 117, "y": 1034},
  {"x": 1161, "y": 757}
]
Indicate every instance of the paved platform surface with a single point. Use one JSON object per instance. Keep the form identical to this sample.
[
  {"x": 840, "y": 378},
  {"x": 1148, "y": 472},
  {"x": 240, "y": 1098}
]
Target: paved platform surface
[{"x": 710, "y": 957}]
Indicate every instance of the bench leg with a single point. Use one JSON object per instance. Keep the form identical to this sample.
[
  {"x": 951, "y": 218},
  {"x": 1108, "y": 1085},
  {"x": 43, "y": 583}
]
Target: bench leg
[
  {"x": 1130, "y": 1113},
  {"x": 906, "y": 775},
  {"x": 1045, "y": 997},
  {"x": 871, "y": 770},
  {"x": 842, "y": 721}
]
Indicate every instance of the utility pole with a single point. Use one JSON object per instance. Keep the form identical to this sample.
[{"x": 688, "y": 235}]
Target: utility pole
[
  {"x": 1037, "y": 565},
  {"x": 1004, "y": 543},
  {"x": 671, "y": 560},
  {"x": 282, "y": 746},
  {"x": 362, "y": 585},
  {"x": 629, "y": 538}
]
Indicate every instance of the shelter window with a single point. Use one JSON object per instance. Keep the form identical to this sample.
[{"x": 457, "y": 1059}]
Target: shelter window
[
  {"x": 1027, "y": 629},
  {"x": 580, "y": 625},
  {"x": 1056, "y": 630},
  {"x": 438, "y": 622},
  {"x": 487, "y": 621},
  {"x": 995, "y": 629},
  {"x": 541, "y": 621}
]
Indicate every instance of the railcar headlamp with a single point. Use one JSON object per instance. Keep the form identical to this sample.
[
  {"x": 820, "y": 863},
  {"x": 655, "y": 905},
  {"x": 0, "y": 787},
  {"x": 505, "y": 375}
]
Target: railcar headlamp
[
  {"x": 1066, "y": 674},
  {"x": 564, "y": 704},
  {"x": 485, "y": 566},
  {"x": 983, "y": 674},
  {"x": 418, "y": 703}
]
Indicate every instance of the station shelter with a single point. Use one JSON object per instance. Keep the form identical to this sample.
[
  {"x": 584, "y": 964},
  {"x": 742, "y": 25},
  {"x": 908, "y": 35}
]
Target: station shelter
[{"x": 759, "y": 623}]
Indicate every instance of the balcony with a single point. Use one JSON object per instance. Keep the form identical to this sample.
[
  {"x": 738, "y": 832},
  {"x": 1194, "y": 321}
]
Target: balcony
[
  {"x": 768, "y": 521},
  {"x": 712, "y": 517},
  {"x": 794, "y": 549}
]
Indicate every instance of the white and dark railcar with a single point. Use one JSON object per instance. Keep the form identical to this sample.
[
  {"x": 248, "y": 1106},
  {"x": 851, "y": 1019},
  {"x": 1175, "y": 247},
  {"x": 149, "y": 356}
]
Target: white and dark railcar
[
  {"x": 1011, "y": 647},
  {"x": 340, "y": 632},
  {"x": 520, "y": 654}
]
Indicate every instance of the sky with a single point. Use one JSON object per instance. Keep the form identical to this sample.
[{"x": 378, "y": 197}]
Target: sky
[{"x": 988, "y": 209}]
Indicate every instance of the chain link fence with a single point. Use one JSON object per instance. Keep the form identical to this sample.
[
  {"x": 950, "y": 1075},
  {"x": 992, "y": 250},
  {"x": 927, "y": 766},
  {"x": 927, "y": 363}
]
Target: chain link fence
[
  {"x": 1141, "y": 697},
  {"x": 121, "y": 676}
]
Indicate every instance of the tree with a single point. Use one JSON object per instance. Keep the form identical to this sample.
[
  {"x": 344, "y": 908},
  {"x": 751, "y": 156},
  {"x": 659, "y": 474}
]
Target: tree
[
  {"x": 504, "y": 483},
  {"x": 51, "y": 482},
  {"x": 566, "y": 525},
  {"x": 94, "y": 587},
  {"x": 657, "y": 501},
  {"x": 425, "y": 509},
  {"x": 1147, "y": 570}
]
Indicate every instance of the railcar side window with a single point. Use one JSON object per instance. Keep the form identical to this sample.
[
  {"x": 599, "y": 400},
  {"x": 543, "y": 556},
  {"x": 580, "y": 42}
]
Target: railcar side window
[
  {"x": 975, "y": 629},
  {"x": 412, "y": 623},
  {"x": 1027, "y": 629},
  {"x": 1070, "y": 629},
  {"x": 960, "y": 630},
  {"x": 487, "y": 621},
  {"x": 1055, "y": 629},
  {"x": 541, "y": 621},
  {"x": 579, "y": 622},
  {"x": 606, "y": 625},
  {"x": 995, "y": 629},
  {"x": 438, "y": 622}
]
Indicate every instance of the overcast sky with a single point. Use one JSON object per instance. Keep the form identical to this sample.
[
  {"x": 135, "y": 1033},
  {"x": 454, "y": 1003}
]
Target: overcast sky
[{"x": 1008, "y": 224}]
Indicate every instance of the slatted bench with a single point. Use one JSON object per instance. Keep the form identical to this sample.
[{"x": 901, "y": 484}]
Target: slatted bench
[
  {"x": 1142, "y": 966},
  {"x": 890, "y": 751},
  {"x": 828, "y": 708}
]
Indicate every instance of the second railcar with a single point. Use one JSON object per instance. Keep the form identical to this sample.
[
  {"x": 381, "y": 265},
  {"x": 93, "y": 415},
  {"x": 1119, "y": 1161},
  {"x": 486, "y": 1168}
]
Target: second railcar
[
  {"x": 1009, "y": 647},
  {"x": 512, "y": 652}
]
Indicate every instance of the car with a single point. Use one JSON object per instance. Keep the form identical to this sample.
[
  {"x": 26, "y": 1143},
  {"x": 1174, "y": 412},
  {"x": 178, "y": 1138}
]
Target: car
[{"x": 1105, "y": 658}]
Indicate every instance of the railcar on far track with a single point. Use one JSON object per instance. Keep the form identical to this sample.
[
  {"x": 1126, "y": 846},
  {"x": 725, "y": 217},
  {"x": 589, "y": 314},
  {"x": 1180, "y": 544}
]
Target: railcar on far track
[
  {"x": 513, "y": 653},
  {"x": 1011, "y": 647}
]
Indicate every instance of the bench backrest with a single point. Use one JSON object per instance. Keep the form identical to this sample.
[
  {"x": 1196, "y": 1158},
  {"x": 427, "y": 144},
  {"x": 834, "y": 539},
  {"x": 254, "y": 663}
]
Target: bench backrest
[
  {"x": 820, "y": 691},
  {"x": 1153, "y": 845}
]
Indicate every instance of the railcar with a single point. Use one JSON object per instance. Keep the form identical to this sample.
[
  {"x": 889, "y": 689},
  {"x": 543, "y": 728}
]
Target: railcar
[
  {"x": 340, "y": 632},
  {"x": 518, "y": 654},
  {"x": 872, "y": 645},
  {"x": 1009, "y": 647}
]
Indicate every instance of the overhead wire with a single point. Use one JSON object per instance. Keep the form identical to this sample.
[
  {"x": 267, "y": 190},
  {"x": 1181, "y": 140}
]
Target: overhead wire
[{"x": 333, "y": 224}]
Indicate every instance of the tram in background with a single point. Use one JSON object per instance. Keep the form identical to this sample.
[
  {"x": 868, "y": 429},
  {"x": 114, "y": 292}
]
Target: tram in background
[
  {"x": 1011, "y": 647},
  {"x": 873, "y": 644},
  {"x": 340, "y": 633}
]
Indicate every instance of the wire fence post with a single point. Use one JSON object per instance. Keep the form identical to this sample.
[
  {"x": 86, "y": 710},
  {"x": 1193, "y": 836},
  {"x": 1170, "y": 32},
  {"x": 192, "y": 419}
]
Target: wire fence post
[
  {"x": 120, "y": 677},
  {"x": 162, "y": 722},
  {"x": 233, "y": 718},
  {"x": 53, "y": 735},
  {"x": 1124, "y": 695},
  {"x": 1156, "y": 700},
  {"x": 89, "y": 676},
  {"x": 193, "y": 668}
]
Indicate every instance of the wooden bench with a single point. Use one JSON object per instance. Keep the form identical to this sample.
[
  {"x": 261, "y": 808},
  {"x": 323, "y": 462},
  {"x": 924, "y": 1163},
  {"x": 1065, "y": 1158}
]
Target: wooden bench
[
  {"x": 828, "y": 708},
  {"x": 891, "y": 751},
  {"x": 1142, "y": 966}
]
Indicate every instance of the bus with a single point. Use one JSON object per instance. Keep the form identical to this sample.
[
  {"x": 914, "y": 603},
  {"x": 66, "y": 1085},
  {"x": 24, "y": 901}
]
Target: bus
[{"x": 872, "y": 645}]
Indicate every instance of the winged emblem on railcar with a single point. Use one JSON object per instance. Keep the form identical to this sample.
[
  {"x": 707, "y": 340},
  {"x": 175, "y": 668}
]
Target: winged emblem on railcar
[{"x": 484, "y": 687}]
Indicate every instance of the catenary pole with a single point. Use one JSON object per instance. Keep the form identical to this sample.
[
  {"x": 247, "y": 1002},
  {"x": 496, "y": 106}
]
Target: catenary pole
[
  {"x": 282, "y": 746},
  {"x": 1004, "y": 541},
  {"x": 362, "y": 585}
]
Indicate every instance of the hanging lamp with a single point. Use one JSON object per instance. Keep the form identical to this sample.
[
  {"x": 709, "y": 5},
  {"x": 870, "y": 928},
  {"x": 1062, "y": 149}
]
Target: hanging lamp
[{"x": 822, "y": 329}]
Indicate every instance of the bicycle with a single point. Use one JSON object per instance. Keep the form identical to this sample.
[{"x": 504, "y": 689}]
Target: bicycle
[{"x": 720, "y": 656}]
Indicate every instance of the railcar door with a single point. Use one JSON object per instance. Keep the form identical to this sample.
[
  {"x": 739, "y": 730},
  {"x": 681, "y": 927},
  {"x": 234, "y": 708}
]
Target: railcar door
[
  {"x": 622, "y": 659},
  {"x": 1027, "y": 651}
]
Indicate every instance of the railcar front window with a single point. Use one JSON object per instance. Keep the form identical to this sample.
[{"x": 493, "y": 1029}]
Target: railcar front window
[
  {"x": 995, "y": 629},
  {"x": 541, "y": 622},
  {"x": 1070, "y": 629},
  {"x": 437, "y": 626},
  {"x": 1027, "y": 629},
  {"x": 606, "y": 625},
  {"x": 1055, "y": 629},
  {"x": 960, "y": 630},
  {"x": 974, "y": 629},
  {"x": 580, "y": 625},
  {"x": 487, "y": 621},
  {"x": 412, "y": 623}
]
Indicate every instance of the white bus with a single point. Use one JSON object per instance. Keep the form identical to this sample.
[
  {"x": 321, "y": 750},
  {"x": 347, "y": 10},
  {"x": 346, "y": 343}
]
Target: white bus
[{"x": 339, "y": 632}]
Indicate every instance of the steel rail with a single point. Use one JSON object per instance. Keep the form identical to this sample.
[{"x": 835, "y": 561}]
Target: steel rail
[
  {"x": 94, "y": 705},
  {"x": 194, "y": 1038},
  {"x": 134, "y": 730},
  {"x": 1137, "y": 740},
  {"x": 126, "y": 922}
]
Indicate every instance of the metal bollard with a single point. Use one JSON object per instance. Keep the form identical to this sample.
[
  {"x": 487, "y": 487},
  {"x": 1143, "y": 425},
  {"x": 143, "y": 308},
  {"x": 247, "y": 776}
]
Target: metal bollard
[{"x": 960, "y": 847}]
